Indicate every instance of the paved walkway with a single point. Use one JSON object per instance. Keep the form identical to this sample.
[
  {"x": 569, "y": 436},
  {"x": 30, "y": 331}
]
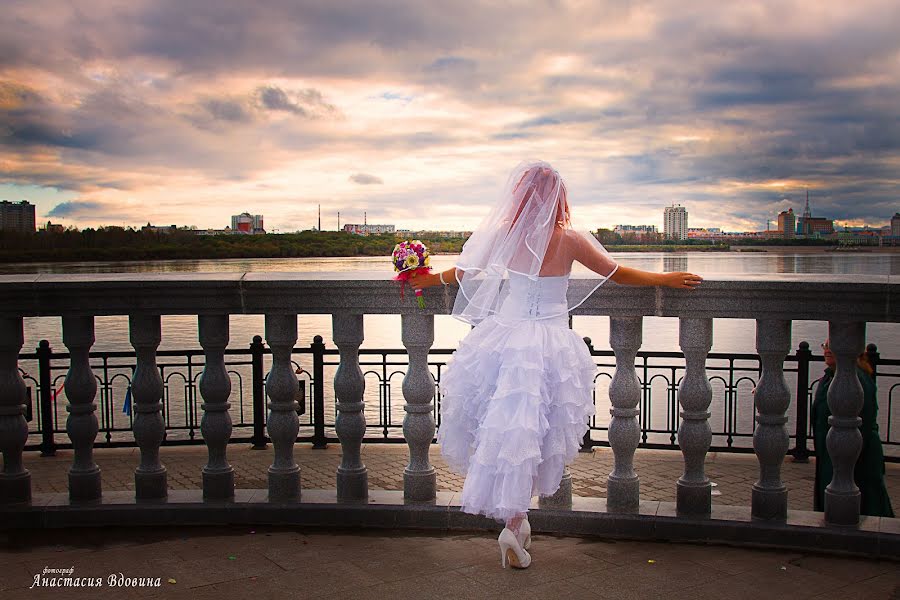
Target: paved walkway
[
  {"x": 238, "y": 562},
  {"x": 225, "y": 563},
  {"x": 733, "y": 474}
]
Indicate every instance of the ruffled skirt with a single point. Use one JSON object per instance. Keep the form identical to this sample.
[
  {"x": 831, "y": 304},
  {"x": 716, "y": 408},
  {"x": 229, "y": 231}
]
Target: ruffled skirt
[{"x": 516, "y": 402}]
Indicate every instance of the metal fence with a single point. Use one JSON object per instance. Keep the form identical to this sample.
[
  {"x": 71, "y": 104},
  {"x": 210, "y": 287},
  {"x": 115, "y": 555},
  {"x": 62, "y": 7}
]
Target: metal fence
[{"x": 732, "y": 376}]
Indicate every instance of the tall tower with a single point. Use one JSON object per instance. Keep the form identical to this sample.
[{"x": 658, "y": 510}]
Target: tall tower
[
  {"x": 787, "y": 223},
  {"x": 17, "y": 216},
  {"x": 339, "y": 220},
  {"x": 320, "y": 217},
  {"x": 803, "y": 222},
  {"x": 675, "y": 222}
]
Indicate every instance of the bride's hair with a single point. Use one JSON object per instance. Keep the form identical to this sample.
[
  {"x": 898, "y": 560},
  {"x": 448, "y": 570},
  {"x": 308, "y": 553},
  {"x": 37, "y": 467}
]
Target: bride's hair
[
  {"x": 520, "y": 236},
  {"x": 542, "y": 180}
]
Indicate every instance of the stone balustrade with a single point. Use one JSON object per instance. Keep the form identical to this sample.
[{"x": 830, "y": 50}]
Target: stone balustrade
[{"x": 846, "y": 304}]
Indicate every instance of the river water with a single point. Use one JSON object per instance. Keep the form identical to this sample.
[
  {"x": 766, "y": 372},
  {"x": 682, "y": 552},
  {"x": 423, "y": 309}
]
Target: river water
[
  {"x": 383, "y": 331},
  {"x": 730, "y": 335}
]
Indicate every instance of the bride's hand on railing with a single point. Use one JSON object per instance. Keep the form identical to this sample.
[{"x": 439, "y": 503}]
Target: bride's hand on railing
[
  {"x": 424, "y": 280},
  {"x": 681, "y": 280}
]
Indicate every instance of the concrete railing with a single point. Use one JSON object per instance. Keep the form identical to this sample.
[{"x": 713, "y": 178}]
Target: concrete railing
[{"x": 847, "y": 305}]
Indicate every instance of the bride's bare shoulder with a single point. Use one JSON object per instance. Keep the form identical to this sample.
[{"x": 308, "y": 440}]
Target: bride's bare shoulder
[{"x": 573, "y": 238}]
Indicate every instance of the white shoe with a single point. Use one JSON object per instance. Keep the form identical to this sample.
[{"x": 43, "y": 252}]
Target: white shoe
[
  {"x": 511, "y": 551},
  {"x": 524, "y": 536}
]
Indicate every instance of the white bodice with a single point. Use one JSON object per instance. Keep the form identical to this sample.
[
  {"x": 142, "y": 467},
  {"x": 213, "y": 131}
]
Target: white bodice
[{"x": 537, "y": 298}]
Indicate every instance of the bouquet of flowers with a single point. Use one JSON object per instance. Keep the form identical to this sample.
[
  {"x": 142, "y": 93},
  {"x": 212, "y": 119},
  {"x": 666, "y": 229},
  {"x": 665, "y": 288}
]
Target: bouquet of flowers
[{"x": 411, "y": 257}]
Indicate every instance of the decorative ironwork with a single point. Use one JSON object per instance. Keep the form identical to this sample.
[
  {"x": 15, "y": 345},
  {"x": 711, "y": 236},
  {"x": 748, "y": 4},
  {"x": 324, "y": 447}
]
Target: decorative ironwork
[{"x": 732, "y": 376}]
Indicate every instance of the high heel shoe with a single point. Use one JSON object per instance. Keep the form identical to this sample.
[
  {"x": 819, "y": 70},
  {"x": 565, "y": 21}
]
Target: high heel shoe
[
  {"x": 511, "y": 551},
  {"x": 524, "y": 536}
]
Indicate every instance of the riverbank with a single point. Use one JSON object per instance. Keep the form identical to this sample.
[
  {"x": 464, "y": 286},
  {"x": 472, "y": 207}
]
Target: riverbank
[
  {"x": 817, "y": 249},
  {"x": 125, "y": 245},
  {"x": 136, "y": 246},
  {"x": 139, "y": 256}
]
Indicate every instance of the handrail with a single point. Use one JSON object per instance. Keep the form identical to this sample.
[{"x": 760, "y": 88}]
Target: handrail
[{"x": 877, "y": 299}]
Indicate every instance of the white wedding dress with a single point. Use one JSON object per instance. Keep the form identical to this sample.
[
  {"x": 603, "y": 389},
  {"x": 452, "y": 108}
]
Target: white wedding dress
[{"x": 516, "y": 399}]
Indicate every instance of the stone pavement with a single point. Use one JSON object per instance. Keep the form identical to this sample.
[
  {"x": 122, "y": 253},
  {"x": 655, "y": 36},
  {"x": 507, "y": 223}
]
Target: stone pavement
[
  {"x": 733, "y": 474},
  {"x": 260, "y": 562},
  {"x": 239, "y": 562}
]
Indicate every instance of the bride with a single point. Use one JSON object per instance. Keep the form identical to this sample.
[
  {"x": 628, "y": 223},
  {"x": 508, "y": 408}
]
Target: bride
[{"x": 517, "y": 391}]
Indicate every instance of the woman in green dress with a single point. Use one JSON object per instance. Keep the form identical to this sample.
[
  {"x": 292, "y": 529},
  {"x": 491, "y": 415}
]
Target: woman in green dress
[{"x": 869, "y": 470}]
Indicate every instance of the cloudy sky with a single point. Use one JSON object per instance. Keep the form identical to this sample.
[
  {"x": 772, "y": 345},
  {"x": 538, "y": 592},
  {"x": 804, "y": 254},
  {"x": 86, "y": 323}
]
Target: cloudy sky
[{"x": 173, "y": 111}]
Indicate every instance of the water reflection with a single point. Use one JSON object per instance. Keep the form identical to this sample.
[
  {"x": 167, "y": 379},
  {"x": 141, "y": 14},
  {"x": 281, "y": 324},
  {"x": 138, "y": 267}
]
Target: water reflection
[
  {"x": 384, "y": 330},
  {"x": 707, "y": 263},
  {"x": 676, "y": 263},
  {"x": 786, "y": 264}
]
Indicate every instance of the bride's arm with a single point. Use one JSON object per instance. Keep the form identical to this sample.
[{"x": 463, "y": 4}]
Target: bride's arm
[
  {"x": 599, "y": 262},
  {"x": 451, "y": 276},
  {"x": 590, "y": 256},
  {"x": 629, "y": 276}
]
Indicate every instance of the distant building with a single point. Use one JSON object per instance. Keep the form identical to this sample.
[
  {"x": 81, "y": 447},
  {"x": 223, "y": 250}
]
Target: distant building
[
  {"x": 226, "y": 231},
  {"x": 448, "y": 234},
  {"x": 769, "y": 234},
  {"x": 148, "y": 228},
  {"x": 637, "y": 232},
  {"x": 17, "y": 216},
  {"x": 366, "y": 229},
  {"x": 787, "y": 223},
  {"x": 433, "y": 233},
  {"x": 412, "y": 234},
  {"x": 53, "y": 227},
  {"x": 247, "y": 223},
  {"x": 810, "y": 226},
  {"x": 705, "y": 233},
  {"x": 895, "y": 225},
  {"x": 858, "y": 236},
  {"x": 675, "y": 222},
  {"x": 740, "y": 234},
  {"x": 817, "y": 226}
]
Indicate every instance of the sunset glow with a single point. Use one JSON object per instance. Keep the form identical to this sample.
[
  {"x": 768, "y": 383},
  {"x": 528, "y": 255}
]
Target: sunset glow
[{"x": 414, "y": 112}]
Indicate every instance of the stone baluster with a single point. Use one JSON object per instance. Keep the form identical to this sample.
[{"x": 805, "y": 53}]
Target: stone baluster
[
  {"x": 283, "y": 423},
  {"x": 419, "y": 479},
  {"x": 215, "y": 388},
  {"x": 15, "y": 480},
  {"x": 694, "y": 491},
  {"x": 771, "y": 440},
  {"x": 844, "y": 441},
  {"x": 82, "y": 425},
  {"x": 150, "y": 478},
  {"x": 350, "y": 425},
  {"x": 623, "y": 485},
  {"x": 562, "y": 499}
]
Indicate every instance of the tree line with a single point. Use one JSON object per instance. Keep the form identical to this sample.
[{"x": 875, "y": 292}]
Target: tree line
[
  {"x": 609, "y": 237},
  {"x": 127, "y": 244}
]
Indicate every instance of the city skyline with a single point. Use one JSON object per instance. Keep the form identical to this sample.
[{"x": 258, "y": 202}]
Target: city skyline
[
  {"x": 257, "y": 221},
  {"x": 151, "y": 112}
]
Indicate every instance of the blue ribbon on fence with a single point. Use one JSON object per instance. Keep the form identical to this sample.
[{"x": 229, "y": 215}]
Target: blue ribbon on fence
[{"x": 126, "y": 407}]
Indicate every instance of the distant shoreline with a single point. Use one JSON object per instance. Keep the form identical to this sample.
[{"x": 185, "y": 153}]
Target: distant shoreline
[
  {"x": 84, "y": 255},
  {"x": 819, "y": 249},
  {"x": 125, "y": 245}
]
